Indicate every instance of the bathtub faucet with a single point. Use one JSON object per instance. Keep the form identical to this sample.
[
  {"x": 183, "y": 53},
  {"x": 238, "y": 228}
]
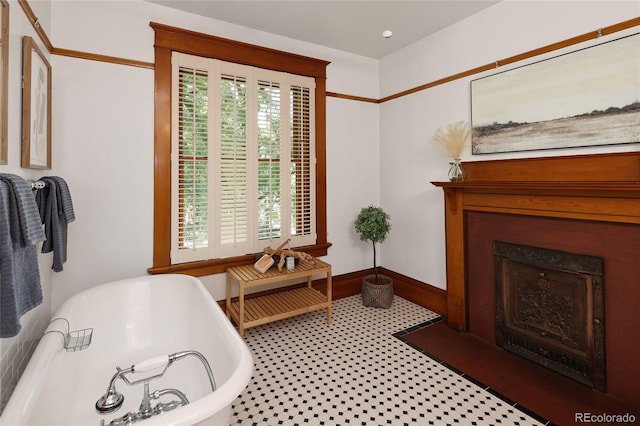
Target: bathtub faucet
[
  {"x": 112, "y": 399},
  {"x": 146, "y": 410}
]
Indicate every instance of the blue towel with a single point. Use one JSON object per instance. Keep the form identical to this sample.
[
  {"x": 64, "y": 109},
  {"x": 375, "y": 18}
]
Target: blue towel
[
  {"x": 56, "y": 211},
  {"x": 20, "y": 289},
  {"x": 26, "y": 227},
  {"x": 64, "y": 196}
]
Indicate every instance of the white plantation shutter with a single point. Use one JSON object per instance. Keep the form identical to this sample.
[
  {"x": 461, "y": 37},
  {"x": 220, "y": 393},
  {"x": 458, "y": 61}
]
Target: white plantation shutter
[
  {"x": 233, "y": 180},
  {"x": 242, "y": 158},
  {"x": 269, "y": 127},
  {"x": 190, "y": 156},
  {"x": 302, "y": 165}
]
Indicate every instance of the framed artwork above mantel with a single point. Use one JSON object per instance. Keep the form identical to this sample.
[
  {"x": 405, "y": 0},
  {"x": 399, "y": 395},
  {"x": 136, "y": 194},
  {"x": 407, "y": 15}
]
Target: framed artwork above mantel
[{"x": 588, "y": 97}]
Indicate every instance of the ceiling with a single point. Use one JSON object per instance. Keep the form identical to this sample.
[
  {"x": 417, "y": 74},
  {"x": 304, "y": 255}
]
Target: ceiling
[{"x": 353, "y": 26}]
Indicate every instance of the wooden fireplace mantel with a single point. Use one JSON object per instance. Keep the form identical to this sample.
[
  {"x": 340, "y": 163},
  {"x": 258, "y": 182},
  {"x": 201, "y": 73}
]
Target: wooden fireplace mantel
[{"x": 603, "y": 188}]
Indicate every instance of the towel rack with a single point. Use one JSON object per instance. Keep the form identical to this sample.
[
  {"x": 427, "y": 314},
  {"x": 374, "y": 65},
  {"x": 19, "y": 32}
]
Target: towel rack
[{"x": 37, "y": 184}]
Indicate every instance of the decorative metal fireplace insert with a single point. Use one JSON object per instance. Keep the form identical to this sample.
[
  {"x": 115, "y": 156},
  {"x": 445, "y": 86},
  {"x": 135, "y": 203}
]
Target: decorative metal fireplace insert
[{"x": 550, "y": 310}]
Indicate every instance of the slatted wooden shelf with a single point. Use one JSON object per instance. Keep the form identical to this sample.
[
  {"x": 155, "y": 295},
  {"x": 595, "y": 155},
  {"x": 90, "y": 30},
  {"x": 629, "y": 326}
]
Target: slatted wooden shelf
[{"x": 276, "y": 306}]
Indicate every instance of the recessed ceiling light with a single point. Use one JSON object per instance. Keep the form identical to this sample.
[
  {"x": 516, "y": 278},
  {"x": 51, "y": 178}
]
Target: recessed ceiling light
[{"x": 387, "y": 34}]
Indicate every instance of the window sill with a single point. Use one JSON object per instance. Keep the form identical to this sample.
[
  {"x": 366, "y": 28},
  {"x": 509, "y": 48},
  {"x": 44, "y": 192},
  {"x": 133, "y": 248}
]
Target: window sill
[{"x": 218, "y": 266}]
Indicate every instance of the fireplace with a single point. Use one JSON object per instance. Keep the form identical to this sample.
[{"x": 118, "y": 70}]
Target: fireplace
[
  {"x": 586, "y": 204},
  {"x": 550, "y": 309}
]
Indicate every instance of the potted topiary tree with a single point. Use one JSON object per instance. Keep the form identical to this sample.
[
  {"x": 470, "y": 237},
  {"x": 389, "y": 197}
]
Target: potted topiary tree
[{"x": 372, "y": 224}]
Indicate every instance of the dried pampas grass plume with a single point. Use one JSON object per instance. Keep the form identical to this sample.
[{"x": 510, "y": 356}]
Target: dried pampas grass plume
[{"x": 453, "y": 137}]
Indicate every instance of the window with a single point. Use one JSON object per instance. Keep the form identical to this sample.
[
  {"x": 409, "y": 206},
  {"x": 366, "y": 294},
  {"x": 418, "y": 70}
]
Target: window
[
  {"x": 242, "y": 157},
  {"x": 239, "y": 152}
]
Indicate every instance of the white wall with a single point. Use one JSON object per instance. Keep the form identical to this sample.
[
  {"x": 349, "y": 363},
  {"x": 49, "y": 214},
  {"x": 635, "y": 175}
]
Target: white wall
[
  {"x": 103, "y": 139},
  {"x": 410, "y": 160},
  {"x": 352, "y": 182}
]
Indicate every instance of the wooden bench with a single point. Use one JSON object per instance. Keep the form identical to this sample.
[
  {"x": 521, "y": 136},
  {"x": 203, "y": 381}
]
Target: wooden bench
[{"x": 276, "y": 306}]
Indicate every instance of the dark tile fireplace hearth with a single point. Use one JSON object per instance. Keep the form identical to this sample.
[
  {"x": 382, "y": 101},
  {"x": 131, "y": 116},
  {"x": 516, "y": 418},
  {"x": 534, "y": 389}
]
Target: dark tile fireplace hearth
[{"x": 550, "y": 310}]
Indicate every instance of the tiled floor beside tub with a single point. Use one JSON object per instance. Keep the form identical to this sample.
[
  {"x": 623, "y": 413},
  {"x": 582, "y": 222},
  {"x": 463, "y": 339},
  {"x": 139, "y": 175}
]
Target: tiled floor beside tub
[{"x": 355, "y": 371}]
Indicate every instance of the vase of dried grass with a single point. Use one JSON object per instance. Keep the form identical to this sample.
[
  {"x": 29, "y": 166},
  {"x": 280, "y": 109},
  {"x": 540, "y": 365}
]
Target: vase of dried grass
[{"x": 457, "y": 173}]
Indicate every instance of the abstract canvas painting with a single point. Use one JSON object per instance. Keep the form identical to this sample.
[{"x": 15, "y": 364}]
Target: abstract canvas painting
[{"x": 584, "y": 98}]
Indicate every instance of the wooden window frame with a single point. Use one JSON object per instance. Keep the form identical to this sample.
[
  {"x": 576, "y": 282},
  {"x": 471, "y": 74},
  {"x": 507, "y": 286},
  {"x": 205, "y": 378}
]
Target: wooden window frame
[{"x": 168, "y": 39}]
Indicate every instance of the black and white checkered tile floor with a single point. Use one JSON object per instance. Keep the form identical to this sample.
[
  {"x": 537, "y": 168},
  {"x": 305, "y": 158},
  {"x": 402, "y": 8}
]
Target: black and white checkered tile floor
[{"x": 355, "y": 371}]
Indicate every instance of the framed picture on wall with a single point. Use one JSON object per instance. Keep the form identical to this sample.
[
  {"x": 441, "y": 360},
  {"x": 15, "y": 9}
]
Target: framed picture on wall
[
  {"x": 588, "y": 97},
  {"x": 36, "y": 107}
]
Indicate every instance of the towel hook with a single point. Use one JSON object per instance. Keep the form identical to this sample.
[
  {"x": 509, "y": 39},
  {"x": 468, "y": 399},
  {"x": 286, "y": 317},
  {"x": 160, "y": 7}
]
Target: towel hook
[{"x": 37, "y": 184}]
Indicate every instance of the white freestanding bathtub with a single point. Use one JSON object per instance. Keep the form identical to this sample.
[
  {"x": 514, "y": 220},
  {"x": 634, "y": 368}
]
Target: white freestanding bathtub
[{"x": 134, "y": 320}]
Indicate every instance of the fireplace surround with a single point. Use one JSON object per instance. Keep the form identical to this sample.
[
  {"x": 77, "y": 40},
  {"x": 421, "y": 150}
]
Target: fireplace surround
[{"x": 564, "y": 203}]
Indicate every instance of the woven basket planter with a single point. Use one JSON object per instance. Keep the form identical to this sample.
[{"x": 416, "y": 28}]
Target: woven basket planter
[{"x": 377, "y": 295}]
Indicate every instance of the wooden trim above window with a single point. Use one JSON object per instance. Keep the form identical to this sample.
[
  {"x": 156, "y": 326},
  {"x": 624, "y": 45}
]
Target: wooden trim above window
[
  {"x": 209, "y": 46},
  {"x": 168, "y": 39}
]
